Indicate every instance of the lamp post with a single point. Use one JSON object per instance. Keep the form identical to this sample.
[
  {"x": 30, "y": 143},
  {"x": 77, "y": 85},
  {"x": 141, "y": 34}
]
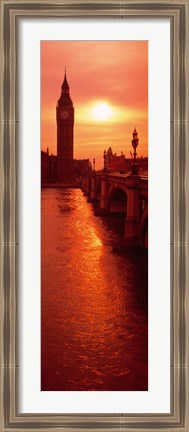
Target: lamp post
[
  {"x": 94, "y": 164},
  {"x": 135, "y": 141},
  {"x": 105, "y": 161}
]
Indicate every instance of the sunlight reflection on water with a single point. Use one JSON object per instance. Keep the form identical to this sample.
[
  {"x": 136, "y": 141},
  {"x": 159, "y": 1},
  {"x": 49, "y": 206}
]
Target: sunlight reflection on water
[{"x": 94, "y": 302}]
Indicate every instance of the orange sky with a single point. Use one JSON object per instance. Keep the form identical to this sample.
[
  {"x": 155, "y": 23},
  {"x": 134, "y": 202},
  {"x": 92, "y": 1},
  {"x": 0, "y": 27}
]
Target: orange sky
[{"x": 114, "y": 74}]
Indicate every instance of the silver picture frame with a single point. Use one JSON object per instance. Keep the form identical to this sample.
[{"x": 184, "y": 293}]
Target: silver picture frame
[{"x": 11, "y": 12}]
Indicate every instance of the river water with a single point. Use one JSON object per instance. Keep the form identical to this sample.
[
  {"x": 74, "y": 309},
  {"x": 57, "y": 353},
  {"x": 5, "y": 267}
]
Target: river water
[{"x": 94, "y": 302}]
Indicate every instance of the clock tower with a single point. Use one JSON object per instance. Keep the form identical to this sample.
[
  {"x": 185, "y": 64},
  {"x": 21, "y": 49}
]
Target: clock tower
[{"x": 65, "y": 125}]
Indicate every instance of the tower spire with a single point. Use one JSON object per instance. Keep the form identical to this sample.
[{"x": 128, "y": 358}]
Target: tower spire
[{"x": 65, "y": 86}]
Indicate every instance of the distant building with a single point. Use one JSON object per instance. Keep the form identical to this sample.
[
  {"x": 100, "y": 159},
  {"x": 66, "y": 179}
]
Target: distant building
[
  {"x": 63, "y": 169},
  {"x": 82, "y": 167},
  {"x": 121, "y": 164},
  {"x": 115, "y": 163},
  {"x": 48, "y": 168},
  {"x": 65, "y": 140}
]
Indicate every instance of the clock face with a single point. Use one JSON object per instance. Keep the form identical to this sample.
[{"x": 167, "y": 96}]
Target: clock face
[{"x": 64, "y": 114}]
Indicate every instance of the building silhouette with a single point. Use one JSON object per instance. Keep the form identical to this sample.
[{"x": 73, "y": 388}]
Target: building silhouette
[
  {"x": 121, "y": 164},
  {"x": 65, "y": 137},
  {"x": 63, "y": 169}
]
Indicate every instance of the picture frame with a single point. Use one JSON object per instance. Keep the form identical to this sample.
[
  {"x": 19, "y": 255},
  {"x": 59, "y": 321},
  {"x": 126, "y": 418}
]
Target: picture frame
[{"x": 11, "y": 14}]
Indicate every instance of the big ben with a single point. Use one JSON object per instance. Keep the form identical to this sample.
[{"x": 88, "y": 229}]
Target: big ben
[{"x": 65, "y": 137}]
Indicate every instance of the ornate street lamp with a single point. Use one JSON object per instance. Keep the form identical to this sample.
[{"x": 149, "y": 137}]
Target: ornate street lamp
[
  {"x": 105, "y": 161},
  {"x": 135, "y": 141},
  {"x": 94, "y": 164}
]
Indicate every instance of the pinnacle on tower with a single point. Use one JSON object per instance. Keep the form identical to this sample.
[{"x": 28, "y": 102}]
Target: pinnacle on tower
[
  {"x": 65, "y": 86},
  {"x": 65, "y": 98}
]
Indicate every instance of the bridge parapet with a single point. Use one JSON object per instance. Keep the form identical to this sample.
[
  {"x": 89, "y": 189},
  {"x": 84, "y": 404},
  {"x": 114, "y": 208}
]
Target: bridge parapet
[
  {"x": 92, "y": 189},
  {"x": 104, "y": 191},
  {"x": 86, "y": 185}
]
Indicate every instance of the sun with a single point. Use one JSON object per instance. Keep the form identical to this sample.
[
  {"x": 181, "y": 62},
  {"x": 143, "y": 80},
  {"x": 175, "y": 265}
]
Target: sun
[{"x": 102, "y": 112}]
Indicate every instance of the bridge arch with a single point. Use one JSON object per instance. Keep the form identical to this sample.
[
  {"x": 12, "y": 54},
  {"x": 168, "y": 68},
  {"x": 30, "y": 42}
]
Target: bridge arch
[
  {"x": 144, "y": 228},
  {"x": 117, "y": 200}
]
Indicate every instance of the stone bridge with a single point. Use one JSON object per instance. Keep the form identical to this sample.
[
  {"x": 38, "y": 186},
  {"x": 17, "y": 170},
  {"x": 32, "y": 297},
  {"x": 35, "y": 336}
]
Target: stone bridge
[{"x": 121, "y": 194}]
